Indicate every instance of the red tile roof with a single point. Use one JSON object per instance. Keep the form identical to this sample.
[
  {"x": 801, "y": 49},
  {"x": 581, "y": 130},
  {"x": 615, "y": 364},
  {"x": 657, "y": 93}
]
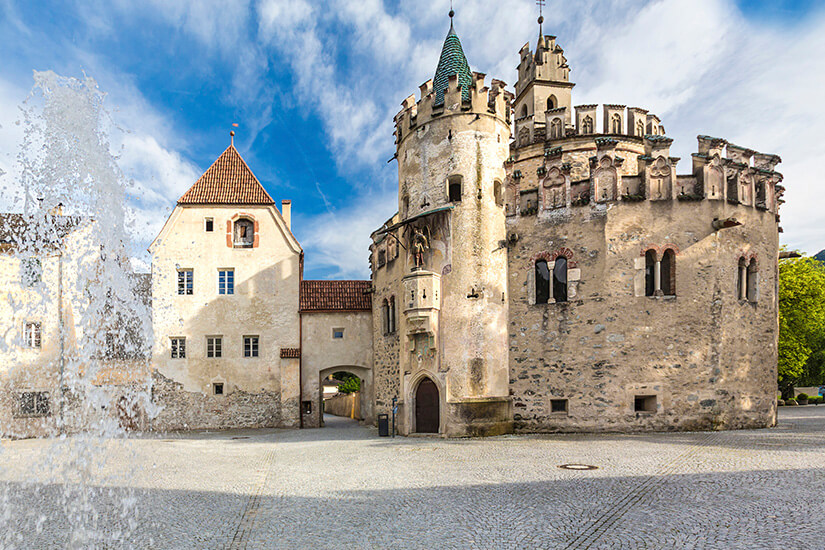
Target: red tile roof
[
  {"x": 336, "y": 296},
  {"x": 290, "y": 353},
  {"x": 228, "y": 181}
]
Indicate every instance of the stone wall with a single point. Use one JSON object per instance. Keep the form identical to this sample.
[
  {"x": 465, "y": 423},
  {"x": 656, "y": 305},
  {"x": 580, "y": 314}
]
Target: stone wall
[
  {"x": 184, "y": 410},
  {"x": 708, "y": 358},
  {"x": 344, "y": 404}
]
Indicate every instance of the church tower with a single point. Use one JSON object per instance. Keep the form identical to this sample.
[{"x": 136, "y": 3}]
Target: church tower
[
  {"x": 543, "y": 91},
  {"x": 453, "y": 307}
]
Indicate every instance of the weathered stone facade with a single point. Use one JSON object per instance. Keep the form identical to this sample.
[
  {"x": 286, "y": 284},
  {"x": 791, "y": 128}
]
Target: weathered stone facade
[{"x": 634, "y": 298}]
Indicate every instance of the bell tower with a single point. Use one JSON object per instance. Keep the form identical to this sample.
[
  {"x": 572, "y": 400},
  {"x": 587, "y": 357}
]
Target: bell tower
[
  {"x": 451, "y": 147},
  {"x": 543, "y": 88}
]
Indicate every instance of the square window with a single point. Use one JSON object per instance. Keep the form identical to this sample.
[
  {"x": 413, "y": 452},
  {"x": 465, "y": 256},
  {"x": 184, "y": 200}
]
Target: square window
[
  {"x": 250, "y": 346},
  {"x": 186, "y": 279},
  {"x": 214, "y": 346},
  {"x": 217, "y": 388},
  {"x": 645, "y": 403},
  {"x": 31, "y": 335},
  {"x": 338, "y": 333},
  {"x": 558, "y": 405},
  {"x": 209, "y": 225},
  {"x": 178, "y": 348},
  {"x": 35, "y": 403},
  {"x": 226, "y": 281}
]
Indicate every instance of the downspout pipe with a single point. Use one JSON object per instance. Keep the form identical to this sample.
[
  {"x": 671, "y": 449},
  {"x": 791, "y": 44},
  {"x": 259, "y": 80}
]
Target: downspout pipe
[{"x": 300, "y": 345}]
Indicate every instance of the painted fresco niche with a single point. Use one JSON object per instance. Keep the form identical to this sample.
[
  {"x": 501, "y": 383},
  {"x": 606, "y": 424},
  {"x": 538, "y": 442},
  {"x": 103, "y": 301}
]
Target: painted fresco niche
[
  {"x": 660, "y": 175},
  {"x": 554, "y": 190},
  {"x": 605, "y": 180}
]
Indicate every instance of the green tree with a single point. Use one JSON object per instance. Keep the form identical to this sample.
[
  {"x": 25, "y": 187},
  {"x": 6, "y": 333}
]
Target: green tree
[
  {"x": 350, "y": 385},
  {"x": 801, "y": 317}
]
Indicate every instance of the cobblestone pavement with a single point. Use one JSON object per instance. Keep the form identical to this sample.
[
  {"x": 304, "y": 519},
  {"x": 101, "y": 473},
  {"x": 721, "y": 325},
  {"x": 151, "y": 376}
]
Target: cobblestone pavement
[{"x": 343, "y": 487}]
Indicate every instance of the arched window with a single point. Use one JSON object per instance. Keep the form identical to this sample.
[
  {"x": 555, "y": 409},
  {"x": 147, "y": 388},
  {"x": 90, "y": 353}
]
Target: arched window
[
  {"x": 524, "y": 112},
  {"x": 551, "y": 102},
  {"x": 742, "y": 279},
  {"x": 542, "y": 282},
  {"x": 392, "y": 315},
  {"x": 498, "y": 193},
  {"x": 617, "y": 123},
  {"x": 555, "y": 128},
  {"x": 640, "y": 128},
  {"x": 244, "y": 233},
  {"x": 669, "y": 273},
  {"x": 753, "y": 281},
  {"x": 454, "y": 188},
  {"x": 560, "y": 279},
  {"x": 650, "y": 273},
  {"x": 587, "y": 125}
]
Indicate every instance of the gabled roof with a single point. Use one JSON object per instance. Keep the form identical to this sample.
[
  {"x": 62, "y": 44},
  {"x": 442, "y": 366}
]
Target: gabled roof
[
  {"x": 336, "y": 296},
  {"x": 228, "y": 181},
  {"x": 452, "y": 62}
]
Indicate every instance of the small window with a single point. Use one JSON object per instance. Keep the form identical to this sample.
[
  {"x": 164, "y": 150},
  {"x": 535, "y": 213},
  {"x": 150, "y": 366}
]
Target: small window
[
  {"x": 650, "y": 273},
  {"x": 558, "y": 405},
  {"x": 640, "y": 128},
  {"x": 31, "y": 271},
  {"x": 392, "y": 315},
  {"x": 34, "y": 403},
  {"x": 542, "y": 282},
  {"x": 498, "y": 194},
  {"x": 454, "y": 188},
  {"x": 178, "y": 348},
  {"x": 524, "y": 112},
  {"x": 385, "y": 316},
  {"x": 338, "y": 333},
  {"x": 742, "y": 279},
  {"x": 209, "y": 225},
  {"x": 250, "y": 346},
  {"x": 32, "y": 335},
  {"x": 560, "y": 280},
  {"x": 616, "y": 122},
  {"x": 186, "y": 282},
  {"x": 669, "y": 273},
  {"x": 217, "y": 388},
  {"x": 551, "y": 102},
  {"x": 645, "y": 403},
  {"x": 226, "y": 281},
  {"x": 244, "y": 233},
  {"x": 214, "y": 347},
  {"x": 382, "y": 258},
  {"x": 753, "y": 281}
]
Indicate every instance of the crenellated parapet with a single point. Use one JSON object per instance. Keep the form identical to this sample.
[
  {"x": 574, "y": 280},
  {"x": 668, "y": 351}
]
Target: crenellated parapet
[
  {"x": 618, "y": 170},
  {"x": 488, "y": 101}
]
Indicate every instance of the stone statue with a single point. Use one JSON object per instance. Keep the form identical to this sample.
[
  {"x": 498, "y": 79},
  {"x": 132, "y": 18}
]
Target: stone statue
[{"x": 420, "y": 243}]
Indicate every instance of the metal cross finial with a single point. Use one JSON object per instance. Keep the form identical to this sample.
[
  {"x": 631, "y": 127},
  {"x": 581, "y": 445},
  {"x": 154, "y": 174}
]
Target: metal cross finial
[
  {"x": 452, "y": 11},
  {"x": 540, "y": 4}
]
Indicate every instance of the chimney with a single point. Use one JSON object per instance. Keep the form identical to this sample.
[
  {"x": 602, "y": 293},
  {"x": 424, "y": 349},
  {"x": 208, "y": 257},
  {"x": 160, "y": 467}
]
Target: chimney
[{"x": 286, "y": 212}]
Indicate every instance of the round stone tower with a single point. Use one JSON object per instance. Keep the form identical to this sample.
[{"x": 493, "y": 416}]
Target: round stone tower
[{"x": 450, "y": 285}]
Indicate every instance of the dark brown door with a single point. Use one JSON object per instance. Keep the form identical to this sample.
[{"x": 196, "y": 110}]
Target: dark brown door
[{"x": 426, "y": 407}]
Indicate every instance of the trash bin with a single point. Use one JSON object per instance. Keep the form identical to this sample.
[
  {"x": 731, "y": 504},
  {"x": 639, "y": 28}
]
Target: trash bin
[{"x": 383, "y": 425}]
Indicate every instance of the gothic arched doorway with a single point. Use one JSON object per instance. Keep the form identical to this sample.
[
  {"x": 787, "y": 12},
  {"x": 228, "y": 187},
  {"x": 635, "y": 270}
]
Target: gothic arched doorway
[{"x": 427, "y": 417}]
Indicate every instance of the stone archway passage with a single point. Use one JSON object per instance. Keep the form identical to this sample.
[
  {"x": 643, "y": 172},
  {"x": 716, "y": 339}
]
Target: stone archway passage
[{"x": 426, "y": 407}]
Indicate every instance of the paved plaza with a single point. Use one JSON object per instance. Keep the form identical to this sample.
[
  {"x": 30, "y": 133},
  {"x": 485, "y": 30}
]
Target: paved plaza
[{"x": 344, "y": 487}]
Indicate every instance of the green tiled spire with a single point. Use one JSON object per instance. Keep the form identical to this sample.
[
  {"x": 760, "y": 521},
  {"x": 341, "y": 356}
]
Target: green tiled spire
[{"x": 452, "y": 62}]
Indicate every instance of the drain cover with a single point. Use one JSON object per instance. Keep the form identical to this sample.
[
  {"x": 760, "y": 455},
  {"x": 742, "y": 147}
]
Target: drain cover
[{"x": 578, "y": 467}]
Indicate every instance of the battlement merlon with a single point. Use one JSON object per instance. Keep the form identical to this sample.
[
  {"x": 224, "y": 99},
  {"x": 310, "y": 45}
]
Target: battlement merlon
[{"x": 490, "y": 101}]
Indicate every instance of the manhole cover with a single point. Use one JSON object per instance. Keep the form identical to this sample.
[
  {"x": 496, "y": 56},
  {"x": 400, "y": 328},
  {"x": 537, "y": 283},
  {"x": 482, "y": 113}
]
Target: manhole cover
[{"x": 578, "y": 467}]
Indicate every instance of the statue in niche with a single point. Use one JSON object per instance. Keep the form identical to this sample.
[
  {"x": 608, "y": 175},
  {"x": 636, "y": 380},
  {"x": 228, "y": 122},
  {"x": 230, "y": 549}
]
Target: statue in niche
[{"x": 420, "y": 243}]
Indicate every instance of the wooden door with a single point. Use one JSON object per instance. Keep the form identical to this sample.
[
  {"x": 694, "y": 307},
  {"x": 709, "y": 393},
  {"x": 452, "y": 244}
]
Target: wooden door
[{"x": 426, "y": 407}]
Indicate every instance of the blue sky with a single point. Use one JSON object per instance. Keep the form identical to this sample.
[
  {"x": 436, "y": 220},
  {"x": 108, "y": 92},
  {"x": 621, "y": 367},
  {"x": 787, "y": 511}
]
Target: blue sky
[{"x": 314, "y": 86}]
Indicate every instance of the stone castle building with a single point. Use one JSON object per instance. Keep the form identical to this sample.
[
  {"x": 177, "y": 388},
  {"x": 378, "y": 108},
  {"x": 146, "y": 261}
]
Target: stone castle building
[{"x": 547, "y": 270}]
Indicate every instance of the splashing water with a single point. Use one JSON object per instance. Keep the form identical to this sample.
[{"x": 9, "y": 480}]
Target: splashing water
[{"x": 76, "y": 324}]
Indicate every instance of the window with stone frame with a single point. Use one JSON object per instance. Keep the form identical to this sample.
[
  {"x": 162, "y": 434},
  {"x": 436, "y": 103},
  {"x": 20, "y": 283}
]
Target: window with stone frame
[
  {"x": 650, "y": 273},
  {"x": 34, "y": 403},
  {"x": 243, "y": 233},
  {"x": 31, "y": 271},
  {"x": 587, "y": 125},
  {"x": 178, "y": 347},
  {"x": 616, "y": 123},
  {"x": 392, "y": 317},
  {"x": 560, "y": 279},
  {"x": 32, "y": 335},
  {"x": 186, "y": 282},
  {"x": 214, "y": 347},
  {"x": 250, "y": 346},
  {"x": 668, "y": 273},
  {"x": 226, "y": 281},
  {"x": 542, "y": 282},
  {"x": 454, "y": 188},
  {"x": 752, "y": 288},
  {"x": 385, "y": 316}
]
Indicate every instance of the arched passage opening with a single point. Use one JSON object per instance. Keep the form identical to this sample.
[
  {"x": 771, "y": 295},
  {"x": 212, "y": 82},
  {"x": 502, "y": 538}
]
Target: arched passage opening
[
  {"x": 345, "y": 393},
  {"x": 427, "y": 407}
]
